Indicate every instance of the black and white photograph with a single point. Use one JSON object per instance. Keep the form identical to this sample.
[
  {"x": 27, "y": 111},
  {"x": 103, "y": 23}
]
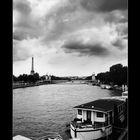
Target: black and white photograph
[{"x": 70, "y": 70}]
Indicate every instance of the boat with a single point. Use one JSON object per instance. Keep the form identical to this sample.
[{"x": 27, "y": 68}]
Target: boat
[{"x": 95, "y": 119}]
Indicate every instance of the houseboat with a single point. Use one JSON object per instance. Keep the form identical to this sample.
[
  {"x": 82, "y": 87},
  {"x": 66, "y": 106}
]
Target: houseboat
[{"x": 95, "y": 119}]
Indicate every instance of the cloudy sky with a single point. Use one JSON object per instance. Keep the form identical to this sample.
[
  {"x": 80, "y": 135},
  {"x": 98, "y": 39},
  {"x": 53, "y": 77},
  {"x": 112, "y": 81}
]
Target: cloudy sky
[{"x": 69, "y": 37}]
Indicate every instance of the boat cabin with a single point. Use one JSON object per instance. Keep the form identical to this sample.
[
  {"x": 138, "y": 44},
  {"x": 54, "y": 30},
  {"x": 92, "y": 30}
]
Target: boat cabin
[{"x": 100, "y": 112}]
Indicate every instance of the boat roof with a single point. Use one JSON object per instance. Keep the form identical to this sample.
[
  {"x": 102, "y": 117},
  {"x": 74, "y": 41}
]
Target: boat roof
[
  {"x": 19, "y": 137},
  {"x": 101, "y": 104}
]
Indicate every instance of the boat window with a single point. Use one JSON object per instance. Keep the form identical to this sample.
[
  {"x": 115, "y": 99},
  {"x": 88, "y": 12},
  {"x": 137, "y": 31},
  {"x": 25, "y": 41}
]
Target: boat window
[
  {"x": 79, "y": 111},
  {"x": 119, "y": 109},
  {"x": 100, "y": 114}
]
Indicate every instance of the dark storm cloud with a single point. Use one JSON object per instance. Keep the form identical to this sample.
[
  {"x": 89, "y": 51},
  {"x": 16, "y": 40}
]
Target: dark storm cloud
[
  {"x": 22, "y": 6},
  {"x": 62, "y": 21},
  {"x": 25, "y": 34},
  {"x": 85, "y": 49},
  {"x": 19, "y": 36},
  {"x": 104, "y": 5},
  {"x": 109, "y": 5},
  {"x": 24, "y": 25},
  {"x": 117, "y": 17},
  {"x": 119, "y": 43}
]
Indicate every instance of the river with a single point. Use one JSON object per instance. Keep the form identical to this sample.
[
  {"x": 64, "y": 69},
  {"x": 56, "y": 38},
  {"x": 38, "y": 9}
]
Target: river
[{"x": 45, "y": 108}]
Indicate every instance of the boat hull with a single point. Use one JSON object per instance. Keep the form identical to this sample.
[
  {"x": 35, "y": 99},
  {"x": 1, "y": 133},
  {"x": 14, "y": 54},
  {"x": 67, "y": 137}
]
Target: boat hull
[{"x": 90, "y": 133}]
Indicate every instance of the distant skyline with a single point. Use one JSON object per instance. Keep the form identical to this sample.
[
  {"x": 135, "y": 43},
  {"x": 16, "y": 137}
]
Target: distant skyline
[
  {"x": 84, "y": 72},
  {"x": 69, "y": 37}
]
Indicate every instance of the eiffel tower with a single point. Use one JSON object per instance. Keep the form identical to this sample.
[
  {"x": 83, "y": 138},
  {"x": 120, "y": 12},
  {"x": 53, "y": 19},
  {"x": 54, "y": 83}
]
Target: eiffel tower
[{"x": 32, "y": 69}]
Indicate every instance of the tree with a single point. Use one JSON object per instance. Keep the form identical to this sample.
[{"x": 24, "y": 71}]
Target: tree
[
  {"x": 88, "y": 78},
  {"x": 33, "y": 78},
  {"x": 104, "y": 77},
  {"x": 42, "y": 78},
  {"x": 36, "y": 76},
  {"x": 27, "y": 78},
  {"x": 15, "y": 79},
  {"x": 116, "y": 67},
  {"x": 118, "y": 74}
]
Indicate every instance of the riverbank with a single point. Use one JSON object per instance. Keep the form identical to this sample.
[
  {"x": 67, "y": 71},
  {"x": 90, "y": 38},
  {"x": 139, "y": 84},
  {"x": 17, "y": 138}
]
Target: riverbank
[
  {"x": 103, "y": 86},
  {"x": 24, "y": 85}
]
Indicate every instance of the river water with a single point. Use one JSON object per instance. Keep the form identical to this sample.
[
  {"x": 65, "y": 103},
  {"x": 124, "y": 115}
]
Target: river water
[{"x": 48, "y": 108}]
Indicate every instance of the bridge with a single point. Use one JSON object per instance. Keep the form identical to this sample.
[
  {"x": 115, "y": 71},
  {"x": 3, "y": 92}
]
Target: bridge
[{"x": 71, "y": 82}]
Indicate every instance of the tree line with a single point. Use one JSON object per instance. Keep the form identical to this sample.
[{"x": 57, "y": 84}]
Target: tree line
[
  {"x": 25, "y": 78},
  {"x": 117, "y": 75}
]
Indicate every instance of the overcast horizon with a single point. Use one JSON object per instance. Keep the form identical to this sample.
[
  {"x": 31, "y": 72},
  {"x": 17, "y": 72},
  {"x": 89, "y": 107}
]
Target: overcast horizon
[{"x": 69, "y": 37}]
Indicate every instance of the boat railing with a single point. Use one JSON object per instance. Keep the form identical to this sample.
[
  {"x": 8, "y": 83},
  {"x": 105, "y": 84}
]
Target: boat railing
[{"x": 82, "y": 125}]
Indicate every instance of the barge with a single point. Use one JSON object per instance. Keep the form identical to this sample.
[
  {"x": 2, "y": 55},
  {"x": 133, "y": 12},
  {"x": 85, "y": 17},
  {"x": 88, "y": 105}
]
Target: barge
[{"x": 96, "y": 119}]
